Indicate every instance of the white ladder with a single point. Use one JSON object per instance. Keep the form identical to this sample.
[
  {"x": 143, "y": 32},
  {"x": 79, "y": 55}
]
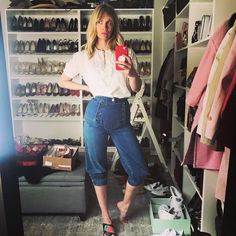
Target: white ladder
[{"x": 135, "y": 109}]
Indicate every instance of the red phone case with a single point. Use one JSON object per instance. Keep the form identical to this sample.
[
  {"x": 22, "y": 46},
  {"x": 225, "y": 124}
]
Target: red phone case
[{"x": 119, "y": 51}]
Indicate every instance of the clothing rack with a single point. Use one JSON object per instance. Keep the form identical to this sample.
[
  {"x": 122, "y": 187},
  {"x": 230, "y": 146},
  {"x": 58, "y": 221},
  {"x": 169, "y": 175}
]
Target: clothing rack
[{"x": 135, "y": 109}]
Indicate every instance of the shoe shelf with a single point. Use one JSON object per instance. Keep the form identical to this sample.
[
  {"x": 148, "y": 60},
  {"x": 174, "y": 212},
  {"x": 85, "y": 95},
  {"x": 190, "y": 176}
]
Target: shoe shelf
[
  {"x": 200, "y": 43},
  {"x": 41, "y": 78},
  {"x": 49, "y": 118},
  {"x": 51, "y": 98},
  {"x": 48, "y": 37},
  {"x": 44, "y": 33},
  {"x": 192, "y": 180}
]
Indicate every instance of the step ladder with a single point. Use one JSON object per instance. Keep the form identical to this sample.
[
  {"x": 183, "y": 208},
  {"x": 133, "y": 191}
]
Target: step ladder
[{"x": 136, "y": 108}]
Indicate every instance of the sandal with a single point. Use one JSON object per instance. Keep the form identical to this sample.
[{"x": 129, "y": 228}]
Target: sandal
[{"x": 108, "y": 230}]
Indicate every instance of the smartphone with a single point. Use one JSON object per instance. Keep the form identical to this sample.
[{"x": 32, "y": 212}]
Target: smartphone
[{"x": 119, "y": 52}]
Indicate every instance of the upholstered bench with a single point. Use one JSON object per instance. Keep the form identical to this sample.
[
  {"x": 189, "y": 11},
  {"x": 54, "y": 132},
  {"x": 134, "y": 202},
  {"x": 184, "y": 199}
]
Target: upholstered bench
[{"x": 60, "y": 192}]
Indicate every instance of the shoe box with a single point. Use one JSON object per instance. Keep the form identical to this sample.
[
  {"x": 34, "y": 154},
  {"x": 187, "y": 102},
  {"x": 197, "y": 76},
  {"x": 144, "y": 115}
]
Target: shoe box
[
  {"x": 159, "y": 225},
  {"x": 61, "y": 157},
  {"x": 30, "y": 155}
]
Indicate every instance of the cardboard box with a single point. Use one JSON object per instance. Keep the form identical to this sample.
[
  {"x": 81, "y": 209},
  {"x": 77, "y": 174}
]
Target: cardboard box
[
  {"x": 159, "y": 225},
  {"x": 58, "y": 162}
]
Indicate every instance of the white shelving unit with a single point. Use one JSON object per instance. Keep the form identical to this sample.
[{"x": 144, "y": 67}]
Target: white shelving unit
[
  {"x": 55, "y": 126},
  {"x": 193, "y": 11}
]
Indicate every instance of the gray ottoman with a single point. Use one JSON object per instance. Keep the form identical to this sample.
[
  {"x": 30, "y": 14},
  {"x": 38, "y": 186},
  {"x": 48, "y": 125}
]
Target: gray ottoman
[{"x": 61, "y": 192}]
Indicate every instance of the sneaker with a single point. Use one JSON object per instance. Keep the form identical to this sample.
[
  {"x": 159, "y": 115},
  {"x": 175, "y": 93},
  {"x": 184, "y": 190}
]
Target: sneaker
[
  {"x": 166, "y": 213},
  {"x": 175, "y": 192},
  {"x": 170, "y": 232},
  {"x": 161, "y": 191},
  {"x": 176, "y": 199},
  {"x": 176, "y": 203},
  {"x": 153, "y": 186}
]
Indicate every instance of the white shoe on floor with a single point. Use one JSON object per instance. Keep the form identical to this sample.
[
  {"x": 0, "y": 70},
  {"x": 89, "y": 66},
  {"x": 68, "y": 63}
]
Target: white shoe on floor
[
  {"x": 161, "y": 191},
  {"x": 176, "y": 200},
  {"x": 153, "y": 186},
  {"x": 175, "y": 192},
  {"x": 166, "y": 213},
  {"x": 170, "y": 232}
]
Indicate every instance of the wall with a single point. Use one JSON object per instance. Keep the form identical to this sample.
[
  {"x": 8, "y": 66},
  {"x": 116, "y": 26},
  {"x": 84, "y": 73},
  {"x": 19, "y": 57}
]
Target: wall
[
  {"x": 4, "y": 4},
  {"x": 158, "y": 22}
]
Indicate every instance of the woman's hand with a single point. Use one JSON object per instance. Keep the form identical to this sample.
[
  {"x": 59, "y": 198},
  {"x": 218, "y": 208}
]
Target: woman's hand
[{"x": 128, "y": 66}]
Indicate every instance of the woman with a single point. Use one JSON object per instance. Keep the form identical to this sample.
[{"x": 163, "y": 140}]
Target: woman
[{"x": 108, "y": 111}]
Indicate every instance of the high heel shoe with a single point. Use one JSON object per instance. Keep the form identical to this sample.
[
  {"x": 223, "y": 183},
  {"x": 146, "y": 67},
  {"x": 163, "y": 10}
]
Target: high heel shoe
[
  {"x": 53, "y": 24},
  {"x": 22, "y": 91},
  {"x": 33, "y": 89},
  {"x": 18, "y": 90},
  {"x": 20, "y": 23},
  {"x": 148, "y": 46},
  {"x": 41, "y": 25},
  {"x": 49, "y": 89},
  {"x": 27, "y": 47},
  {"x": 63, "y": 25},
  {"x": 129, "y": 25},
  {"x": 58, "y": 25},
  {"x": 54, "y": 46},
  {"x": 35, "y": 25},
  {"x": 70, "y": 26},
  {"x": 29, "y": 26},
  {"x": 148, "y": 25},
  {"x": 141, "y": 23},
  {"x": 27, "y": 89},
  {"x": 32, "y": 46},
  {"x": 16, "y": 47},
  {"x": 25, "y": 22},
  {"x": 48, "y": 46},
  {"x": 14, "y": 23},
  {"x": 84, "y": 24},
  {"x": 75, "y": 25},
  {"x": 19, "y": 110},
  {"x": 47, "y": 24},
  {"x": 55, "y": 89}
]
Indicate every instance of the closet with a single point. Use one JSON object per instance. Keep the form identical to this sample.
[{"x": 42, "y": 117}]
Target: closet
[
  {"x": 38, "y": 43},
  {"x": 188, "y": 27}
]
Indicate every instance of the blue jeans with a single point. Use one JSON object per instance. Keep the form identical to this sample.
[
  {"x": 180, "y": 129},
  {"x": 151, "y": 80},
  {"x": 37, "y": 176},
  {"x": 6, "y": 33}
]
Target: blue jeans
[{"x": 106, "y": 116}]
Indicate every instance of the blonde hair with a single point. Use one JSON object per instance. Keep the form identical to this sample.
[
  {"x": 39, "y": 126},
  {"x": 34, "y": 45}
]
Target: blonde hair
[{"x": 116, "y": 37}]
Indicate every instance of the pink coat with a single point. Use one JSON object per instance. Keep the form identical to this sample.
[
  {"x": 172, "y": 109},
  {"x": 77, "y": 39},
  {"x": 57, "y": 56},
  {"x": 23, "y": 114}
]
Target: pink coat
[
  {"x": 222, "y": 87},
  {"x": 202, "y": 155}
]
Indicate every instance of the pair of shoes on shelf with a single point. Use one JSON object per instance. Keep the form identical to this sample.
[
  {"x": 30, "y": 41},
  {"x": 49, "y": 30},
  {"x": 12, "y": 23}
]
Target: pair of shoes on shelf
[
  {"x": 175, "y": 208},
  {"x": 170, "y": 232},
  {"x": 108, "y": 230},
  {"x": 73, "y": 25},
  {"x": 176, "y": 199},
  {"x": 168, "y": 213}
]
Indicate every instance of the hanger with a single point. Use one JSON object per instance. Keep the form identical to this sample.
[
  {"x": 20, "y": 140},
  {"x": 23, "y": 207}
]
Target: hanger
[{"x": 232, "y": 20}]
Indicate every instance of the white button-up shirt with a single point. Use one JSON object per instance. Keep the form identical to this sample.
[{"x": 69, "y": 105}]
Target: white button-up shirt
[{"x": 99, "y": 73}]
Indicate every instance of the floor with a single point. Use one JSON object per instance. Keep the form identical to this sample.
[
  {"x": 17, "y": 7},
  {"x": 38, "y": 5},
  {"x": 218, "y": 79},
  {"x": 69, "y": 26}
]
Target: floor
[{"x": 139, "y": 222}]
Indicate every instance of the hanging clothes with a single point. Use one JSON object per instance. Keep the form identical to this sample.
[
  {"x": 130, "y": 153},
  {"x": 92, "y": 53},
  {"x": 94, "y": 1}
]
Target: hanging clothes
[
  {"x": 213, "y": 86},
  {"x": 163, "y": 91},
  {"x": 201, "y": 155}
]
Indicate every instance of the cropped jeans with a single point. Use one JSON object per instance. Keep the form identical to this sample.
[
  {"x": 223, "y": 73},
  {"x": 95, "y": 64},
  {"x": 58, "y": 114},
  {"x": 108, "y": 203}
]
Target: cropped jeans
[{"x": 106, "y": 117}]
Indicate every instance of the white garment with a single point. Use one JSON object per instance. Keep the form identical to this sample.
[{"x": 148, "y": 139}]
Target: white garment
[{"x": 99, "y": 73}]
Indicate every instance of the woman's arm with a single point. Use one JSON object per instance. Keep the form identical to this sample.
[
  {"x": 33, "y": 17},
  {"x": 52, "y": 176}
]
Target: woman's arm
[
  {"x": 66, "y": 82},
  {"x": 135, "y": 81},
  {"x": 133, "y": 77}
]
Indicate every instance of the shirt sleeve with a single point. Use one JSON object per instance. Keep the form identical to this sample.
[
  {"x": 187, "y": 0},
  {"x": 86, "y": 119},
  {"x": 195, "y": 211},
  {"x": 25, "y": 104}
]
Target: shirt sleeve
[{"x": 74, "y": 66}]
